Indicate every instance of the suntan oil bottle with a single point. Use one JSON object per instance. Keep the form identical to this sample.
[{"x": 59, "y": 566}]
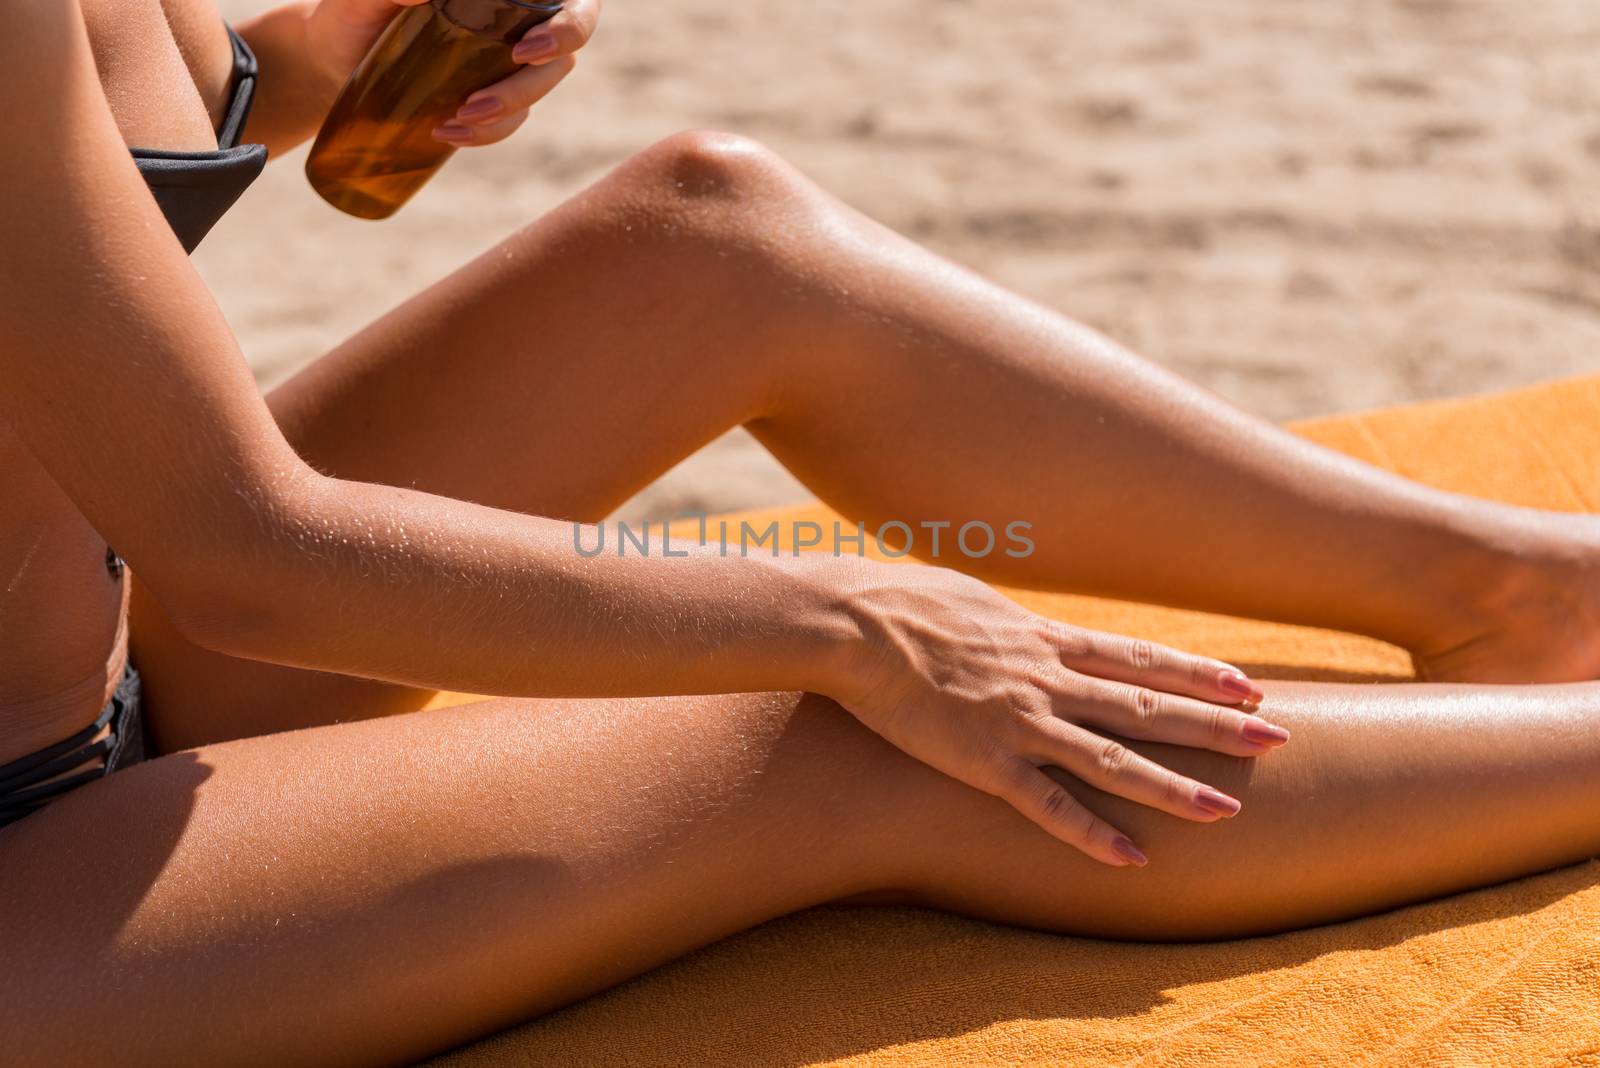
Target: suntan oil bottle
[{"x": 375, "y": 148}]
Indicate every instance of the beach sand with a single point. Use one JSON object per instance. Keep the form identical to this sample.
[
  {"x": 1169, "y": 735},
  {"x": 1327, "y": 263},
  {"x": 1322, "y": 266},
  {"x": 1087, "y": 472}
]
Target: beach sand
[{"x": 1306, "y": 207}]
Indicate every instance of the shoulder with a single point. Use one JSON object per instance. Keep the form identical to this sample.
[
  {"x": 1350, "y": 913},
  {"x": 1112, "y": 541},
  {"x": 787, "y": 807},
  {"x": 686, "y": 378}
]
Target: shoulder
[
  {"x": 35, "y": 23},
  {"x": 44, "y": 47},
  {"x": 54, "y": 111}
]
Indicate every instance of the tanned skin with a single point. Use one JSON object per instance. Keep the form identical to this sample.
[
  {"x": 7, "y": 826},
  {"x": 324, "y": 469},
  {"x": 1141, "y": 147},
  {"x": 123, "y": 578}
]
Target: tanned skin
[{"x": 686, "y": 747}]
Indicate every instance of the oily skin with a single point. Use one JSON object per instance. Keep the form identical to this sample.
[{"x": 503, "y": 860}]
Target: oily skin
[
  {"x": 253, "y": 552},
  {"x": 272, "y": 533},
  {"x": 371, "y": 892}
]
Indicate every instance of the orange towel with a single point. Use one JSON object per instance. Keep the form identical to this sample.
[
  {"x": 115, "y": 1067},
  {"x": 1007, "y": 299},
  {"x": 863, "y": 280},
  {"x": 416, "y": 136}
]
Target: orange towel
[{"x": 1508, "y": 975}]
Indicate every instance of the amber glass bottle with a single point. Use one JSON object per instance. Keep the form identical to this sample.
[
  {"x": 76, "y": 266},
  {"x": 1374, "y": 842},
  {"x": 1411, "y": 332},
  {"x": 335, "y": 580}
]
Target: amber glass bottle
[{"x": 376, "y": 148}]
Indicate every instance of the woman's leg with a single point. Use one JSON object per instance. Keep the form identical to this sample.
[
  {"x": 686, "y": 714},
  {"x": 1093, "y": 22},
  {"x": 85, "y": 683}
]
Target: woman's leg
[
  {"x": 706, "y": 284},
  {"x": 373, "y": 891}
]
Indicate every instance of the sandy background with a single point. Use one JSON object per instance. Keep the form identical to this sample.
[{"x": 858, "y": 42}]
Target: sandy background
[{"x": 1306, "y": 206}]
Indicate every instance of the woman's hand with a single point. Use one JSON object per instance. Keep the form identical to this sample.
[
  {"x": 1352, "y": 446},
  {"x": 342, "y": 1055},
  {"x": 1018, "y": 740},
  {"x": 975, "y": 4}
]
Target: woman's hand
[
  {"x": 972, "y": 684},
  {"x": 546, "y": 53},
  {"x": 341, "y": 32}
]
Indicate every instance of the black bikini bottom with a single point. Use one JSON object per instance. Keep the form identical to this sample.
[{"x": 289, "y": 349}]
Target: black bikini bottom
[{"x": 32, "y": 782}]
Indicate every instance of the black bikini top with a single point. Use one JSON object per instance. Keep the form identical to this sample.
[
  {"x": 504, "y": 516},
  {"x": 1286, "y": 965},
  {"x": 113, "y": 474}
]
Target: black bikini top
[{"x": 195, "y": 189}]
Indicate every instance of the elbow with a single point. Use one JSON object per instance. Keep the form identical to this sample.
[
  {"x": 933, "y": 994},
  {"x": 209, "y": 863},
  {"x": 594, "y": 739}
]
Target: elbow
[
  {"x": 236, "y": 593},
  {"x": 227, "y": 617}
]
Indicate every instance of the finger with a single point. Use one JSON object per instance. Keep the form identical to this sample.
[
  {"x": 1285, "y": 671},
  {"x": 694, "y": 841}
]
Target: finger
[
  {"x": 561, "y": 35},
  {"x": 463, "y": 136},
  {"x": 1147, "y": 663},
  {"x": 363, "y": 11},
  {"x": 1108, "y": 765},
  {"x": 1047, "y": 803},
  {"x": 1156, "y": 716},
  {"x": 504, "y": 99}
]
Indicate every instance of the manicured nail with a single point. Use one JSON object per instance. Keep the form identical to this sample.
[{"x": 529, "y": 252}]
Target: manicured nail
[
  {"x": 538, "y": 46},
  {"x": 1263, "y": 733},
  {"x": 1129, "y": 852},
  {"x": 1216, "y": 802},
  {"x": 1234, "y": 684},
  {"x": 458, "y": 132},
  {"x": 481, "y": 108}
]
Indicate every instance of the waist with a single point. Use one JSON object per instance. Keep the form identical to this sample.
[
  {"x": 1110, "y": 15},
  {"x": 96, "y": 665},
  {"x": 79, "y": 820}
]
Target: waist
[
  {"x": 114, "y": 740},
  {"x": 61, "y": 659}
]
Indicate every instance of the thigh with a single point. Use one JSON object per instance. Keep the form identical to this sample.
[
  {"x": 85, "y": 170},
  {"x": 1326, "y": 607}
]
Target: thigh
[{"x": 372, "y": 892}]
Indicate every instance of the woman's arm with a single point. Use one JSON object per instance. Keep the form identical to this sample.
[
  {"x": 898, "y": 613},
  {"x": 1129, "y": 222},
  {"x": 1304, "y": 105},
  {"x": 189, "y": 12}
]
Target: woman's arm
[
  {"x": 293, "y": 90},
  {"x": 307, "y": 48},
  {"x": 123, "y": 379}
]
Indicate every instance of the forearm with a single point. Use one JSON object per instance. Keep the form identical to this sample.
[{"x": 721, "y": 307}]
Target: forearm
[
  {"x": 293, "y": 90},
  {"x": 407, "y": 587}
]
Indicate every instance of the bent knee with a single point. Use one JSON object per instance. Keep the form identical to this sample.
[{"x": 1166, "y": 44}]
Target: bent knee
[
  {"x": 698, "y": 164},
  {"x": 720, "y": 180},
  {"x": 701, "y": 192}
]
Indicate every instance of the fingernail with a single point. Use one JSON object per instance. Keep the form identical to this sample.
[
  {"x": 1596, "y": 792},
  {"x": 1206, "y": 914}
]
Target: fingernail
[
  {"x": 481, "y": 108},
  {"x": 1263, "y": 733},
  {"x": 453, "y": 131},
  {"x": 1129, "y": 852},
  {"x": 1234, "y": 684},
  {"x": 536, "y": 47},
  {"x": 1216, "y": 802}
]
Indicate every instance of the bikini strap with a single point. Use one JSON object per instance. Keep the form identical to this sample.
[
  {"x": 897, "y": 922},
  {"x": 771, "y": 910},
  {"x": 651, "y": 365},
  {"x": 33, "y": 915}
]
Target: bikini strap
[
  {"x": 244, "y": 91},
  {"x": 23, "y": 782}
]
